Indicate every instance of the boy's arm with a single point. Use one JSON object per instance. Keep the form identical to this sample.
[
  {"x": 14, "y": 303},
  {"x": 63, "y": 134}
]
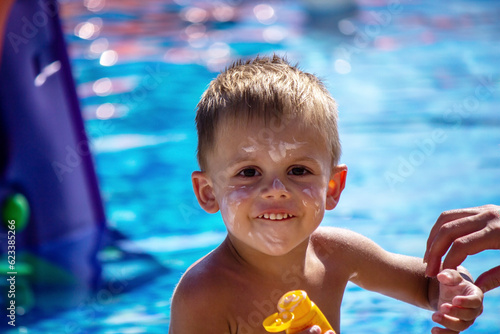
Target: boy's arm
[
  {"x": 395, "y": 275},
  {"x": 457, "y": 300}
]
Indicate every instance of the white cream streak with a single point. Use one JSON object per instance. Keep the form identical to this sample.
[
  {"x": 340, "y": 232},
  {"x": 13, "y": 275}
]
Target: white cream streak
[
  {"x": 278, "y": 185},
  {"x": 249, "y": 149},
  {"x": 231, "y": 203},
  {"x": 280, "y": 150}
]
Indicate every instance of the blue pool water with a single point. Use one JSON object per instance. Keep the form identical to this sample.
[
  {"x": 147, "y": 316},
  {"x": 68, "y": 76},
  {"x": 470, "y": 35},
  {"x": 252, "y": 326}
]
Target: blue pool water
[{"x": 418, "y": 87}]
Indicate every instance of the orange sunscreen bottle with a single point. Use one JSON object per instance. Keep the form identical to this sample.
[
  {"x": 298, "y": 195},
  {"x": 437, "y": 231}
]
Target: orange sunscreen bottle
[{"x": 297, "y": 312}]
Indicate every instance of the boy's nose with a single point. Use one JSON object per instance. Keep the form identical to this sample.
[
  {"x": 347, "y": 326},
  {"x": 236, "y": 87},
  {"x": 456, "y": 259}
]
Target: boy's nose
[{"x": 275, "y": 189}]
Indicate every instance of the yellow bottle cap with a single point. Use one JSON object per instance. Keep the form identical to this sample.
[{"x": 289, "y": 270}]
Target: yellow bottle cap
[
  {"x": 278, "y": 322},
  {"x": 295, "y": 301}
]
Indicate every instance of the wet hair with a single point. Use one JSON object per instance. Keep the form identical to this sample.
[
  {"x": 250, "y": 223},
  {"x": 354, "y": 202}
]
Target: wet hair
[{"x": 267, "y": 89}]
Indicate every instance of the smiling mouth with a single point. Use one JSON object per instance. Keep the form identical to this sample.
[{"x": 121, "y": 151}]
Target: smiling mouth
[{"x": 276, "y": 216}]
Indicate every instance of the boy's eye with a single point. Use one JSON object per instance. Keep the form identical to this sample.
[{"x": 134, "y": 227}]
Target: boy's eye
[
  {"x": 249, "y": 172},
  {"x": 298, "y": 171}
]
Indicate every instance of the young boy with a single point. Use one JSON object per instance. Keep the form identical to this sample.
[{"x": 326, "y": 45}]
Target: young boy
[{"x": 268, "y": 150}]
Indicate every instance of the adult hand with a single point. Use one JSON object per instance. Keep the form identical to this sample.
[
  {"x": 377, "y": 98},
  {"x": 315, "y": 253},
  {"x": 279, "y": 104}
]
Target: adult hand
[{"x": 465, "y": 232}]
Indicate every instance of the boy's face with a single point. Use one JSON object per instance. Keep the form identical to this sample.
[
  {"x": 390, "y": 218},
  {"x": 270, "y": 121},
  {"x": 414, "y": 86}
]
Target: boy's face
[{"x": 271, "y": 184}]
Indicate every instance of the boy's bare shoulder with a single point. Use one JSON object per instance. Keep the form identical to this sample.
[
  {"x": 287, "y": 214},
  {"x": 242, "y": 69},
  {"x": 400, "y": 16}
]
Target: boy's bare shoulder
[
  {"x": 336, "y": 237},
  {"x": 198, "y": 295},
  {"x": 338, "y": 244},
  {"x": 200, "y": 278}
]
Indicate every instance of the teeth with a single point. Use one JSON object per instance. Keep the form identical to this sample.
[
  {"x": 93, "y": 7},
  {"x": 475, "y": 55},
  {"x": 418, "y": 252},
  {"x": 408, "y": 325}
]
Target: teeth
[{"x": 275, "y": 216}]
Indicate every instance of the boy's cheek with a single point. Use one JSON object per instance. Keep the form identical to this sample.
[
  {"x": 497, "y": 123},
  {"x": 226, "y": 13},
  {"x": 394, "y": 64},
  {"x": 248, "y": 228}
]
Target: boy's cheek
[
  {"x": 313, "y": 197},
  {"x": 235, "y": 194},
  {"x": 231, "y": 200},
  {"x": 312, "y": 192}
]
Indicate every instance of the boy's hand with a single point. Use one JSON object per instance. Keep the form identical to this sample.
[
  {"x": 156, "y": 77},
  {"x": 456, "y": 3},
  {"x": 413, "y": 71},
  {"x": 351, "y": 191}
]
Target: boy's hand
[
  {"x": 460, "y": 303},
  {"x": 315, "y": 330}
]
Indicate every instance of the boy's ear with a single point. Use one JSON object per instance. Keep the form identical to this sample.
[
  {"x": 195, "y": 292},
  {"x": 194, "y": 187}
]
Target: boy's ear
[
  {"x": 335, "y": 186},
  {"x": 204, "y": 192}
]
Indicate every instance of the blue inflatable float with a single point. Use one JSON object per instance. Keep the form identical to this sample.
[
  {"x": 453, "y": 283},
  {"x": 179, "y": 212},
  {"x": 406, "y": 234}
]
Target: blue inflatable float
[{"x": 48, "y": 185}]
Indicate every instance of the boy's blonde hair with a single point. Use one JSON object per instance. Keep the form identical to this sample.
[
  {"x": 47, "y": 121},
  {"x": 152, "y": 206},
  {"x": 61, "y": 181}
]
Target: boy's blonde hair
[{"x": 268, "y": 89}]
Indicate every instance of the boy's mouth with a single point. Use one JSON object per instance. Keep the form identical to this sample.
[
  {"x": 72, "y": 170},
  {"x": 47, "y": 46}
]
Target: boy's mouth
[{"x": 276, "y": 216}]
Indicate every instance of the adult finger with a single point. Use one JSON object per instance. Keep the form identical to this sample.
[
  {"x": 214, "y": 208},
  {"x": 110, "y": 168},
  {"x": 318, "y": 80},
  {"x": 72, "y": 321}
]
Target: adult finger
[
  {"x": 445, "y": 237},
  {"x": 444, "y": 218},
  {"x": 489, "y": 280},
  {"x": 486, "y": 213},
  {"x": 469, "y": 244}
]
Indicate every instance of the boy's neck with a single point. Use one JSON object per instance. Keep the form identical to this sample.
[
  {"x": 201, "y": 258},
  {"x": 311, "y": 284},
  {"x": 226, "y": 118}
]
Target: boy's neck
[{"x": 268, "y": 265}]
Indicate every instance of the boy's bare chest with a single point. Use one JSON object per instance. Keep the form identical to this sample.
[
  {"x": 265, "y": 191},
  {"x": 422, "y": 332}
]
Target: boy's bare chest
[{"x": 251, "y": 304}]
